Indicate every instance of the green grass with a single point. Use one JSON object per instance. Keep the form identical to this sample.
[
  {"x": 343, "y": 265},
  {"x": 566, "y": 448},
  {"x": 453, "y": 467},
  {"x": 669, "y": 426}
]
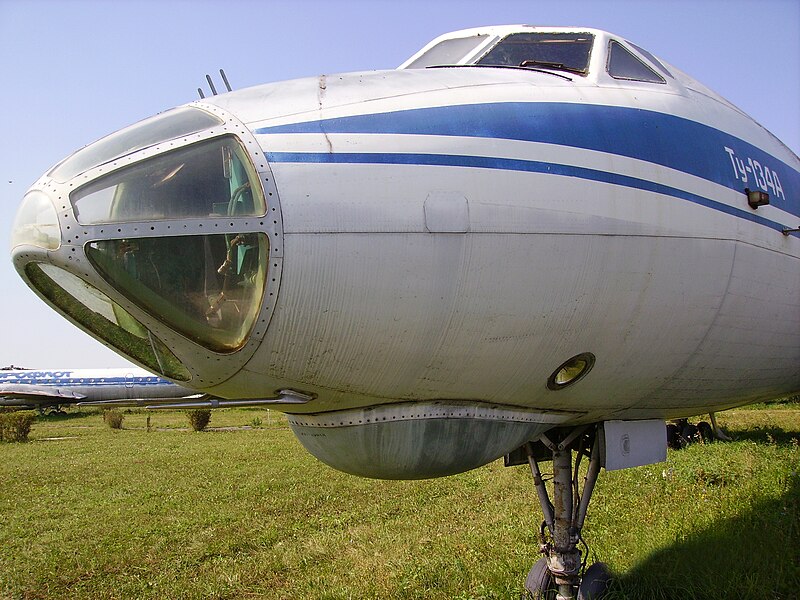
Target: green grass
[{"x": 246, "y": 513}]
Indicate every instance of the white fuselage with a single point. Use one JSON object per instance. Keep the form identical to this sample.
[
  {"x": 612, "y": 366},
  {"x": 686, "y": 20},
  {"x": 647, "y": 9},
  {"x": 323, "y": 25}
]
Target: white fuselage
[{"x": 434, "y": 248}]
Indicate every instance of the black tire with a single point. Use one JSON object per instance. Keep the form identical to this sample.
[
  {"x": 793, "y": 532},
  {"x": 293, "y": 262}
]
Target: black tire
[
  {"x": 706, "y": 432},
  {"x": 539, "y": 583},
  {"x": 690, "y": 434},
  {"x": 595, "y": 582},
  {"x": 673, "y": 436}
]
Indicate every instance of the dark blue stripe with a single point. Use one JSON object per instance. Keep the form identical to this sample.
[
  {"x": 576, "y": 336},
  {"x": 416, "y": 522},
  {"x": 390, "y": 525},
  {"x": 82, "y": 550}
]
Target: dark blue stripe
[
  {"x": 451, "y": 160},
  {"x": 77, "y": 382},
  {"x": 655, "y": 137}
]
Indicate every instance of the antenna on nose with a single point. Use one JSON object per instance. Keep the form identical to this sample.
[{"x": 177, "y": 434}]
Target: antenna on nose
[
  {"x": 225, "y": 79},
  {"x": 211, "y": 84}
]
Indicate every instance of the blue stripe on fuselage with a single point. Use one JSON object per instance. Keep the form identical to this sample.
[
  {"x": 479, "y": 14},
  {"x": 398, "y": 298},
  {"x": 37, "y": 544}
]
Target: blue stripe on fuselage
[
  {"x": 651, "y": 136},
  {"x": 517, "y": 165}
]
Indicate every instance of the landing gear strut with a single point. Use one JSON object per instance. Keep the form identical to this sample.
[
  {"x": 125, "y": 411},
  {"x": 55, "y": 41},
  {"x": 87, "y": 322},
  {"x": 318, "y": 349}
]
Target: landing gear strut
[{"x": 557, "y": 576}]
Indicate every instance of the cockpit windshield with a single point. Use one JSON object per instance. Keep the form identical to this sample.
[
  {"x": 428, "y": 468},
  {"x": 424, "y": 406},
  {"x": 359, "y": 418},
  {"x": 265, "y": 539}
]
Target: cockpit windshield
[{"x": 559, "y": 51}]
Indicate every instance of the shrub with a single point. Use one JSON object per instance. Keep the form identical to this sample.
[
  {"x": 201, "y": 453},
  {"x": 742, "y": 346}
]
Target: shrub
[
  {"x": 113, "y": 418},
  {"x": 199, "y": 418},
  {"x": 15, "y": 426}
]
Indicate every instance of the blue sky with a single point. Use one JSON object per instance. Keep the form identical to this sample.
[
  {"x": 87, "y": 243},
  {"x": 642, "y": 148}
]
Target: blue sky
[{"x": 75, "y": 70}]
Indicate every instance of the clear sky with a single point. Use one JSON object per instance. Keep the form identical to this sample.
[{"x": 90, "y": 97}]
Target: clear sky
[{"x": 75, "y": 70}]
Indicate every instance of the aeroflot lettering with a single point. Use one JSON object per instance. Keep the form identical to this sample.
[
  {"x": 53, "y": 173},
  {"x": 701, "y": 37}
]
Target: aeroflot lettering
[
  {"x": 764, "y": 177},
  {"x": 35, "y": 375}
]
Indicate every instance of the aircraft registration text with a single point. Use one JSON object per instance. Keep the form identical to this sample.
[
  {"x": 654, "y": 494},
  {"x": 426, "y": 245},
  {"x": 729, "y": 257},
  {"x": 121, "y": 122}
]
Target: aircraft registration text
[{"x": 764, "y": 177}]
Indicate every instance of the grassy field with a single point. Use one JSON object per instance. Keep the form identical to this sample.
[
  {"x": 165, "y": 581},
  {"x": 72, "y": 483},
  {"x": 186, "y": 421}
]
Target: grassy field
[{"x": 88, "y": 512}]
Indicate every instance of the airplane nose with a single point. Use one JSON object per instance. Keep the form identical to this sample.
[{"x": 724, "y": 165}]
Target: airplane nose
[
  {"x": 36, "y": 223},
  {"x": 159, "y": 240}
]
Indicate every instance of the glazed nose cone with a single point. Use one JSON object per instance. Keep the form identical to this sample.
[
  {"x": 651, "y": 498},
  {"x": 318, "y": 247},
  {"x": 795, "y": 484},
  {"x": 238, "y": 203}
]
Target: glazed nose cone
[{"x": 36, "y": 223}]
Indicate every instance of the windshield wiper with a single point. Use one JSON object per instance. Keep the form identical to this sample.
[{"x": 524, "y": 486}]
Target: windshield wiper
[
  {"x": 552, "y": 65},
  {"x": 498, "y": 67}
]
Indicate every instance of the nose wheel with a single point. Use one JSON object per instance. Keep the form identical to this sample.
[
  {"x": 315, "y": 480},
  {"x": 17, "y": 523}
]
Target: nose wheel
[
  {"x": 540, "y": 585},
  {"x": 594, "y": 583},
  {"x": 562, "y": 574}
]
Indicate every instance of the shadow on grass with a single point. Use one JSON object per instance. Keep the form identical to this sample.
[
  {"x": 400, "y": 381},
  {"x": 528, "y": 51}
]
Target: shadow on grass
[
  {"x": 755, "y": 555},
  {"x": 769, "y": 434}
]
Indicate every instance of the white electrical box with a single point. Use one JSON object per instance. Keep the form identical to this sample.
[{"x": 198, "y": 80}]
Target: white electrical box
[{"x": 625, "y": 444}]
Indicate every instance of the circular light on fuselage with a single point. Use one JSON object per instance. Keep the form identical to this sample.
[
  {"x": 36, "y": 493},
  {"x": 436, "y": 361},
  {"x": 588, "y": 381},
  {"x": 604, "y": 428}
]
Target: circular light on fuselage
[{"x": 571, "y": 371}]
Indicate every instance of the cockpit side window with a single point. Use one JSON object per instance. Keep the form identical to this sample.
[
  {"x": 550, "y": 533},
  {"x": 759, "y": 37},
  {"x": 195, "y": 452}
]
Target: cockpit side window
[
  {"x": 448, "y": 52},
  {"x": 166, "y": 126},
  {"x": 656, "y": 63},
  {"x": 559, "y": 51},
  {"x": 211, "y": 178},
  {"x": 622, "y": 64}
]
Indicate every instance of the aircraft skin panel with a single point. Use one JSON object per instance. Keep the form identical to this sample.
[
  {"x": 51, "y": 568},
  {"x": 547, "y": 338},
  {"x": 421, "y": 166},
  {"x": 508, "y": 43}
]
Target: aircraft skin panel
[
  {"x": 743, "y": 352},
  {"x": 383, "y": 442},
  {"x": 451, "y": 315}
]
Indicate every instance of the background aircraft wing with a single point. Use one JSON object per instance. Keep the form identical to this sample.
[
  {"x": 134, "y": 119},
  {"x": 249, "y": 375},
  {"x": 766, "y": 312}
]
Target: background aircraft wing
[{"x": 31, "y": 395}]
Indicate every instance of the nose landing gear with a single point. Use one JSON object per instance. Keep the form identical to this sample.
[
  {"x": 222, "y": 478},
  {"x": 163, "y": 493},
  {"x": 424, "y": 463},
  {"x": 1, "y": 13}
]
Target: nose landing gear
[{"x": 557, "y": 576}]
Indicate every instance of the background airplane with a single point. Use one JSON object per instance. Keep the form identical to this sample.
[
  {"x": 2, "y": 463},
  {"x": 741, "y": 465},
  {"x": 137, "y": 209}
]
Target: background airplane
[
  {"x": 55, "y": 389},
  {"x": 504, "y": 247}
]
